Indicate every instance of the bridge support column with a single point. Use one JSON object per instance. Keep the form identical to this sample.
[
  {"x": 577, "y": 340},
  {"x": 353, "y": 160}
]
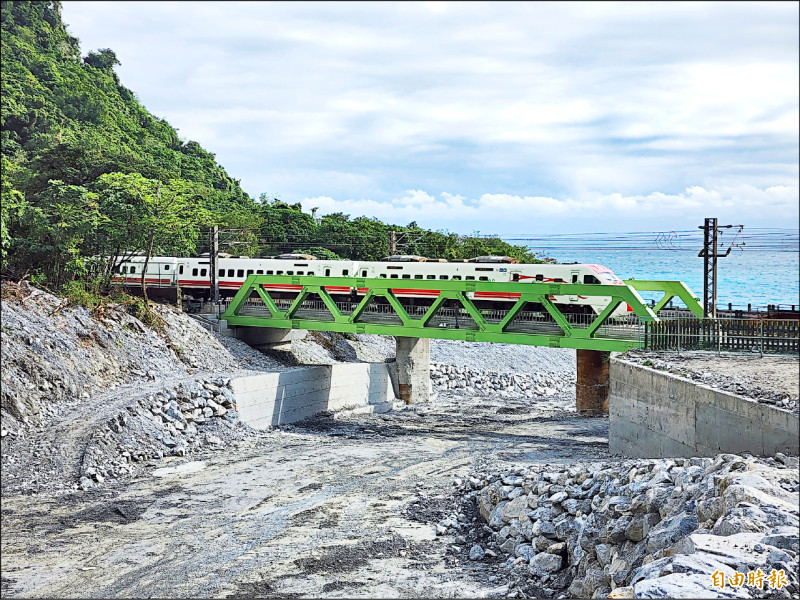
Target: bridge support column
[
  {"x": 591, "y": 388},
  {"x": 413, "y": 369}
]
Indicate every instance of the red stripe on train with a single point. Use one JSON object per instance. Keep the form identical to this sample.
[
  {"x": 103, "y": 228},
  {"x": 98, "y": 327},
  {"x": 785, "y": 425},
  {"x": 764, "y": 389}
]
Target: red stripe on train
[{"x": 504, "y": 295}]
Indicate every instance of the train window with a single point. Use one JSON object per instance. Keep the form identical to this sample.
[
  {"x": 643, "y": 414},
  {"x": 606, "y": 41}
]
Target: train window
[
  {"x": 221, "y": 273},
  {"x": 515, "y": 277},
  {"x": 327, "y": 272},
  {"x": 290, "y": 272},
  {"x": 180, "y": 270},
  {"x": 299, "y": 272},
  {"x": 345, "y": 272},
  {"x": 310, "y": 273},
  {"x": 540, "y": 278},
  {"x": 393, "y": 276},
  {"x": 431, "y": 277},
  {"x": 133, "y": 270},
  {"x": 203, "y": 272},
  {"x": 269, "y": 272},
  {"x": 457, "y": 277},
  {"x": 417, "y": 276},
  {"x": 483, "y": 278},
  {"x": 230, "y": 272},
  {"x": 364, "y": 273},
  {"x": 124, "y": 270},
  {"x": 259, "y": 271},
  {"x": 166, "y": 267},
  {"x": 194, "y": 272},
  {"x": 442, "y": 276},
  {"x": 469, "y": 278},
  {"x": 383, "y": 275},
  {"x": 590, "y": 279},
  {"x": 249, "y": 271},
  {"x": 406, "y": 276},
  {"x": 240, "y": 272},
  {"x": 278, "y": 272},
  {"x": 574, "y": 278}
]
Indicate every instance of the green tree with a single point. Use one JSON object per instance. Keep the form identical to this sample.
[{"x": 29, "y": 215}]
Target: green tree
[
  {"x": 104, "y": 59},
  {"x": 160, "y": 216},
  {"x": 56, "y": 231},
  {"x": 319, "y": 252}
]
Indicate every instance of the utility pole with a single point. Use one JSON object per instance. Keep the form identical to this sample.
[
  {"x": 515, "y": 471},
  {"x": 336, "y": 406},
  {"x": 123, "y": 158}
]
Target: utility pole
[
  {"x": 213, "y": 250},
  {"x": 710, "y": 256},
  {"x": 392, "y": 242}
]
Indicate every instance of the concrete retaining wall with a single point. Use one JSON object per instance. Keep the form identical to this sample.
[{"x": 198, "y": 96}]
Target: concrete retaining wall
[
  {"x": 271, "y": 399},
  {"x": 657, "y": 414}
]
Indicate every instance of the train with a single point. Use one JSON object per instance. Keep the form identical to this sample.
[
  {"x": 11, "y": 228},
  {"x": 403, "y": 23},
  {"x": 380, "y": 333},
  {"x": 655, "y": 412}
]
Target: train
[{"x": 192, "y": 276}]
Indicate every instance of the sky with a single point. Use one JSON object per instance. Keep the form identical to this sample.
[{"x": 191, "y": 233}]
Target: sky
[{"x": 497, "y": 118}]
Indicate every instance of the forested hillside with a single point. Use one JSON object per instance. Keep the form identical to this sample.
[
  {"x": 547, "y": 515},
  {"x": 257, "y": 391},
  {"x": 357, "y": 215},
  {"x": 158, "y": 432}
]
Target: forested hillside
[{"x": 88, "y": 171}]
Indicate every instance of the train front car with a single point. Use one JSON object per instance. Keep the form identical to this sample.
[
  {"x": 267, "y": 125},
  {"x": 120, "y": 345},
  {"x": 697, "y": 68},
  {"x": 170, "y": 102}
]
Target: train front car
[
  {"x": 607, "y": 277},
  {"x": 587, "y": 274}
]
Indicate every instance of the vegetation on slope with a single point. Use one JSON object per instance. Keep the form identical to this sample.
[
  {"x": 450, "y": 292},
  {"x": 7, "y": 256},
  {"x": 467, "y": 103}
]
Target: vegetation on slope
[{"x": 87, "y": 171}]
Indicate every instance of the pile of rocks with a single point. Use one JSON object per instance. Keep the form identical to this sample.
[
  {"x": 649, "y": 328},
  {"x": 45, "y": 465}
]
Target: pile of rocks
[
  {"x": 647, "y": 528},
  {"x": 475, "y": 381},
  {"x": 170, "y": 422},
  {"x": 57, "y": 357}
]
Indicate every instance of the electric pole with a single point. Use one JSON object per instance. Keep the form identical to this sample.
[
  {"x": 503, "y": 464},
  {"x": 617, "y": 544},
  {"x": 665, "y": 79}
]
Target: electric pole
[
  {"x": 392, "y": 242},
  {"x": 213, "y": 250},
  {"x": 710, "y": 256}
]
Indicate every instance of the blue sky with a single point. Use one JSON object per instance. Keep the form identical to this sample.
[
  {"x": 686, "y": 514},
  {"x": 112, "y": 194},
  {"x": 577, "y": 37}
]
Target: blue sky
[{"x": 522, "y": 117}]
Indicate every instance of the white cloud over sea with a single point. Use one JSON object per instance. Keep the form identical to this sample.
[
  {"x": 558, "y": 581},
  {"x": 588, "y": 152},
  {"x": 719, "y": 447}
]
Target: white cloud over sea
[
  {"x": 498, "y": 117},
  {"x": 523, "y": 213}
]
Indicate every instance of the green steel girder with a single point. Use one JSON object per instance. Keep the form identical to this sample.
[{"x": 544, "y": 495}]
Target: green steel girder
[
  {"x": 671, "y": 289},
  {"x": 571, "y": 337}
]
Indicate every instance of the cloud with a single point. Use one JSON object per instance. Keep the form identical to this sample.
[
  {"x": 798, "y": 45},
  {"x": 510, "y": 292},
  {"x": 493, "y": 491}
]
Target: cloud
[
  {"x": 553, "y": 108},
  {"x": 692, "y": 204}
]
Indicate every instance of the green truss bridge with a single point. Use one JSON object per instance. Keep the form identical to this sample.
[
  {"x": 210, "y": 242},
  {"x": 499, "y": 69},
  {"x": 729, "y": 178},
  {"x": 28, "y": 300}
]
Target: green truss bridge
[
  {"x": 531, "y": 317},
  {"x": 449, "y": 313}
]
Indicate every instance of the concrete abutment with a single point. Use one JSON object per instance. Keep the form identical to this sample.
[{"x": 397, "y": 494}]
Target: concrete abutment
[{"x": 655, "y": 414}]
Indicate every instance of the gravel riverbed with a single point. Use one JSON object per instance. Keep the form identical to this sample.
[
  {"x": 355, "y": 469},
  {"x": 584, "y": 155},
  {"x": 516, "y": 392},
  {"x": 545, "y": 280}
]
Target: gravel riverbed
[{"x": 126, "y": 473}]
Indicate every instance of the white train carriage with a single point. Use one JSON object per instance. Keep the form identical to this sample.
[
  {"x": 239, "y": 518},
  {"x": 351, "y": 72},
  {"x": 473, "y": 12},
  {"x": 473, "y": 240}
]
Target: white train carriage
[
  {"x": 193, "y": 275},
  {"x": 161, "y": 271}
]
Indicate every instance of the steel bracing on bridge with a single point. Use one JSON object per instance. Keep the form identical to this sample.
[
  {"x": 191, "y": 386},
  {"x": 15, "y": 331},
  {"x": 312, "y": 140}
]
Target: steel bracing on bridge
[{"x": 452, "y": 314}]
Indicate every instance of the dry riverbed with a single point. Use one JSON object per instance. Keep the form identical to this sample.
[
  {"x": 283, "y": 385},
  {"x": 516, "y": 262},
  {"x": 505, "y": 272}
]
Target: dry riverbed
[
  {"x": 331, "y": 508},
  {"x": 108, "y": 489}
]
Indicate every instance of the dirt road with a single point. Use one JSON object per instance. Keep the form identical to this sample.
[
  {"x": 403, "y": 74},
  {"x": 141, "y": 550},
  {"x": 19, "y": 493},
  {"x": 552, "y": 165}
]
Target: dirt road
[{"x": 332, "y": 508}]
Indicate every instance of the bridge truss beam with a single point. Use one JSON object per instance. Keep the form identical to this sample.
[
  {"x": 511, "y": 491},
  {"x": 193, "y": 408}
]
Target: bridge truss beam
[
  {"x": 671, "y": 289},
  {"x": 570, "y": 336}
]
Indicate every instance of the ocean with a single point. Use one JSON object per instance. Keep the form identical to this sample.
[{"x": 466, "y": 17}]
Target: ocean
[{"x": 744, "y": 277}]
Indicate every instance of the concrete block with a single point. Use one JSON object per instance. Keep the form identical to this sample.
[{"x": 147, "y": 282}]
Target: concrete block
[
  {"x": 269, "y": 399},
  {"x": 653, "y": 413}
]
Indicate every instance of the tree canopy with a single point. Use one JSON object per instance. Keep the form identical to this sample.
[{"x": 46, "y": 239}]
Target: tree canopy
[{"x": 88, "y": 172}]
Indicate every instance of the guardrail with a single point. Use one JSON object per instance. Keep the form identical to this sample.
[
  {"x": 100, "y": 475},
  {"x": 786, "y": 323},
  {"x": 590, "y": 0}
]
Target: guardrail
[{"x": 780, "y": 336}]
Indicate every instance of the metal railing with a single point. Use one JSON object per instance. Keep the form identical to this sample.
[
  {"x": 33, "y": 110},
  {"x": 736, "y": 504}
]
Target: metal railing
[{"x": 762, "y": 336}]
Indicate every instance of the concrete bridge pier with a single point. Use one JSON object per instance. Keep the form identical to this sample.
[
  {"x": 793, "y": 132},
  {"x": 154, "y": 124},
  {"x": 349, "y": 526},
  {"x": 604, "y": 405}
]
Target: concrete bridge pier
[
  {"x": 411, "y": 374},
  {"x": 591, "y": 388}
]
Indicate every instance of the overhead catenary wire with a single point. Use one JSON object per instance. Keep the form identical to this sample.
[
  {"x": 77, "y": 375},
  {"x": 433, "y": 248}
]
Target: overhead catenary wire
[{"x": 752, "y": 239}]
